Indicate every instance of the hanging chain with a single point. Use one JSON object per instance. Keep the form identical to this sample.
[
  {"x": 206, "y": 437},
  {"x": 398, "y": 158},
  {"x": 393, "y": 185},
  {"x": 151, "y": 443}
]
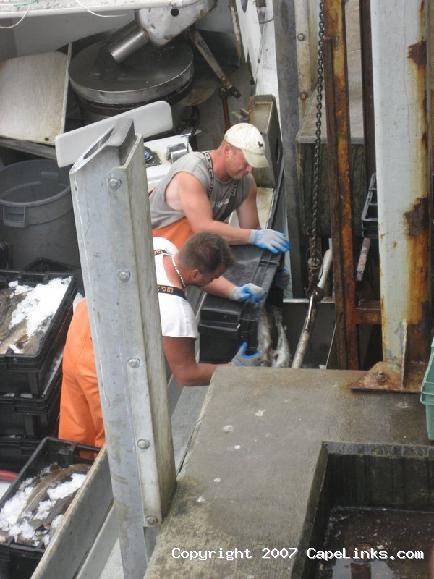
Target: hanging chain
[{"x": 314, "y": 252}]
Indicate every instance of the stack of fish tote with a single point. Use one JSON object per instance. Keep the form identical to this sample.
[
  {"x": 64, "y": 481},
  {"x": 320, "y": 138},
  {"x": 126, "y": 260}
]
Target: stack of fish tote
[
  {"x": 34, "y": 507},
  {"x": 35, "y": 311}
]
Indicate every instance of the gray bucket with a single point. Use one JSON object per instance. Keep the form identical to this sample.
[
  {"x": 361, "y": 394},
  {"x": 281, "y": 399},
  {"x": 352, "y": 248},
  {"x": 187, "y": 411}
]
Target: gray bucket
[{"x": 36, "y": 215}]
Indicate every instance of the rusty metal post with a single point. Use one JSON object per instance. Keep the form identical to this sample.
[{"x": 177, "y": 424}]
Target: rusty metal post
[
  {"x": 339, "y": 170},
  {"x": 401, "y": 99},
  {"x": 403, "y": 153}
]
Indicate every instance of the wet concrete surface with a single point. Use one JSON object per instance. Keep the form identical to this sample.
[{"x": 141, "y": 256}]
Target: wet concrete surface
[
  {"x": 253, "y": 478},
  {"x": 378, "y": 544}
]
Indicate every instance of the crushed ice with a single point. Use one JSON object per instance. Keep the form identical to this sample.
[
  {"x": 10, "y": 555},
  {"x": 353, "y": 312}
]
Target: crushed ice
[
  {"x": 39, "y": 304},
  {"x": 16, "y": 523},
  {"x": 67, "y": 488},
  {"x": 13, "y": 508}
]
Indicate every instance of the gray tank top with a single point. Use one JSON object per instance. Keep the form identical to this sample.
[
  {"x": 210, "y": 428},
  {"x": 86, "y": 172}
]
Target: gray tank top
[{"x": 224, "y": 196}]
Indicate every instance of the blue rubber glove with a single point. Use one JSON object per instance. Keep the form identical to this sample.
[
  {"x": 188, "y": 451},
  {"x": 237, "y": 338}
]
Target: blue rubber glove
[
  {"x": 269, "y": 239},
  {"x": 246, "y": 360},
  {"x": 249, "y": 292}
]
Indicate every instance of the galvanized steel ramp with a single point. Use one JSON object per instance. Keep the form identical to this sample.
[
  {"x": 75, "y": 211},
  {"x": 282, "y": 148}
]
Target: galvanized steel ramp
[{"x": 253, "y": 477}]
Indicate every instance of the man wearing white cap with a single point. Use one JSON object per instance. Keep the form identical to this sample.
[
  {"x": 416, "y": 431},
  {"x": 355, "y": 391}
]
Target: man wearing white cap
[{"x": 203, "y": 188}]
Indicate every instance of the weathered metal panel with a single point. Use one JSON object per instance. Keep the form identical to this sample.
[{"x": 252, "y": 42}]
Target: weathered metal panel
[
  {"x": 286, "y": 57},
  {"x": 304, "y": 55},
  {"x": 33, "y": 97}
]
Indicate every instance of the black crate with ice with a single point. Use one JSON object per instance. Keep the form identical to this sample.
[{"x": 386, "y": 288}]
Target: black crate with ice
[
  {"x": 35, "y": 312},
  {"x": 29, "y": 416},
  {"x": 42, "y": 265},
  {"x": 15, "y": 451},
  {"x": 34, "y": 505}
]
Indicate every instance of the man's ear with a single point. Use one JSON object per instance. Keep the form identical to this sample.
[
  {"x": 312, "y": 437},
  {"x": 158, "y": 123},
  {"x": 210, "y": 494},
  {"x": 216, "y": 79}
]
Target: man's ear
[{"x": 195, "y": 275}]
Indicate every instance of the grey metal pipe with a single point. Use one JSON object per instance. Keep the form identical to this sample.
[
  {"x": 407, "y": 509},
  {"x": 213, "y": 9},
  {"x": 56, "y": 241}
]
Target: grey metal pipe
[
  {"x": 126, "y": 41},
  {"x": 315, "y": 299}
]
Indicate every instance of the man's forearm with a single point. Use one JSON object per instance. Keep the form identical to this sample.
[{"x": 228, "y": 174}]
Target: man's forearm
[
  {"x": 181, "y": 357},
  {"x": 198, "y": 374},
  {"x": 233, "y": 235},
  {"x": 221, "y": 287}
]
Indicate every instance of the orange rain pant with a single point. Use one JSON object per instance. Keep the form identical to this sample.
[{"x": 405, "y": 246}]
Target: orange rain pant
[
  {"x": 80, "y": 406},
  {"x": 177, "y": 232}
]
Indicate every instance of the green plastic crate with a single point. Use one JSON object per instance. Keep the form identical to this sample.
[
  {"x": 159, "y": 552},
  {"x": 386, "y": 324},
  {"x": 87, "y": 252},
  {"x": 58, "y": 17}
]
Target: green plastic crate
[
  {"x": 427, "y": 395},
  {"x": 428, "y": 387},
  {"x": 429, "y": 374},
  {"x": 428, "y": 401}
]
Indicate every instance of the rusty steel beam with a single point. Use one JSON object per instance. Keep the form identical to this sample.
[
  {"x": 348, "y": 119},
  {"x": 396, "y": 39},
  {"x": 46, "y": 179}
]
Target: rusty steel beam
[
  {"x": 367, "y": 314},
  {"x": 339, "y": 171},
  {"x": 388, "y": 377}
]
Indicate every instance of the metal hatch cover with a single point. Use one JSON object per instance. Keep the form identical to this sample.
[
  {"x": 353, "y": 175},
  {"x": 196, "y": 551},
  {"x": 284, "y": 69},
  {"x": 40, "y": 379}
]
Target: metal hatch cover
[{"x": 149, "y": 74}]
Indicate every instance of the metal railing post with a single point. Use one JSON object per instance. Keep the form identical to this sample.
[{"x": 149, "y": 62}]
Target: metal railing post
[{"x": 114, "y": 233}]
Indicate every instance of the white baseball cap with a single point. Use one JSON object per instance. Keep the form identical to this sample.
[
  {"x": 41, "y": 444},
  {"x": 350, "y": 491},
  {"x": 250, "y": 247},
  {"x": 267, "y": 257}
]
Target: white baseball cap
[{"x": 246, "y": 137}]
